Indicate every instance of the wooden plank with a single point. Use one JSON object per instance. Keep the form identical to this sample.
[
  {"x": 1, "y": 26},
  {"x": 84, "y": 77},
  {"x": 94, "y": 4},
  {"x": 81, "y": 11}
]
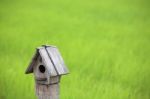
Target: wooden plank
[
  {"x": 47, "y": 62},
  {"x": 57, "y": 60}
]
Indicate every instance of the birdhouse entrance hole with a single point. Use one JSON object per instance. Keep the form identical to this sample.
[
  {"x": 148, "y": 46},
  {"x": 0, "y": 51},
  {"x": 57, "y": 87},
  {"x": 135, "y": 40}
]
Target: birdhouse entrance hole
[{"x": 42, "y": 68}]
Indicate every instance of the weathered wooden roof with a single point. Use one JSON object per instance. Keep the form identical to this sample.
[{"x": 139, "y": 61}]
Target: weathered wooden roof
[{"x": 52, "y": 60}]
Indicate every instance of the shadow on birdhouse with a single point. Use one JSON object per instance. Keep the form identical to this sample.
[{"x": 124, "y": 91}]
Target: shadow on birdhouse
[{"x": 48, "y": 66}]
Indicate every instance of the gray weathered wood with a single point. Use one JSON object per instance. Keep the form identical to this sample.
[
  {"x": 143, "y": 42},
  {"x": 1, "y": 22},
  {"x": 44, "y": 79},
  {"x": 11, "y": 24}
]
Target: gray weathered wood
[
  {"x": 47, "y": 91},
  {"x": 47, "y": 62},
  {"x": 57, "y": 60},
  {"x": 52, "y": 60},
  {"x": 41, "y": 78}
]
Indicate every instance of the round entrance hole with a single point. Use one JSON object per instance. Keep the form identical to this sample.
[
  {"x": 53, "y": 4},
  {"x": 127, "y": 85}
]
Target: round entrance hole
[{"x": 42, "y": 68}]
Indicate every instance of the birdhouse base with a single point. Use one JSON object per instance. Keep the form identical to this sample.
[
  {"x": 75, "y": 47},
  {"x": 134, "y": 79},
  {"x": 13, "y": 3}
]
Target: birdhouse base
[{"x": 47, "y": 91}]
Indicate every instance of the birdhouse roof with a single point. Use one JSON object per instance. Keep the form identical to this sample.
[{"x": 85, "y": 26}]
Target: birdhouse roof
[{"x": 52, "y": 60}]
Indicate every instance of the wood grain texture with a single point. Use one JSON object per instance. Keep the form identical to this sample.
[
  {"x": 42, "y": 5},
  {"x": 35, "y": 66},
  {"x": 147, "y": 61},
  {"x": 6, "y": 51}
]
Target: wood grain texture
[
  {"x": 52, "y": 60},
  {"x": 41, "y": 78},
  {"x": 57, "y": 60},
  {"x": 37, "y": 73},
  {"x": 47, "y": 91},
  {"x": 47, "y": 62}
]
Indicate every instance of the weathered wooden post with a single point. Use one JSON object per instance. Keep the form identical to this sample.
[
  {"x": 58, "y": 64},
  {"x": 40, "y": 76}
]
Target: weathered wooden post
[{"x": 48, "y": 67}]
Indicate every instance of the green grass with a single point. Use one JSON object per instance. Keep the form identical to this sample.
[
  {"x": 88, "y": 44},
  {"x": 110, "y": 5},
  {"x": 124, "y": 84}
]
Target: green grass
[{"x": 105, "y": 44}]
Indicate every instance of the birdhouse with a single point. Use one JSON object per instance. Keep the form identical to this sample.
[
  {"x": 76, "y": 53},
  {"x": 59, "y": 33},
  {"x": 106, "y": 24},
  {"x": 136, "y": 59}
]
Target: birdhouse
[{"x": 48, "y": 66}]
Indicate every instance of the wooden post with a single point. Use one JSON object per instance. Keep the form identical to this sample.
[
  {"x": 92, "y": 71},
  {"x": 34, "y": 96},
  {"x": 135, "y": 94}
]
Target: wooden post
[{"x": 47, "y": 91}]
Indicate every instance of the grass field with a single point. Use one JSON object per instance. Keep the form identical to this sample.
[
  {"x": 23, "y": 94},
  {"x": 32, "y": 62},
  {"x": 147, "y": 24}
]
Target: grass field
[{"x": 105, "y": 44}]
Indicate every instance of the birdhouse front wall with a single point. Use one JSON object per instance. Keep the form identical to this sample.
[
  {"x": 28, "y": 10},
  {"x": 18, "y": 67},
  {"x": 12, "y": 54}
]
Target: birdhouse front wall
[{"x": 40, "y": 71}]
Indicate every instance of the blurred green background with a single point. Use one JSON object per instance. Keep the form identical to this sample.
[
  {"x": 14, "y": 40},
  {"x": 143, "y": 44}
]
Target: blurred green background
[{"x": 105, "y": 44}]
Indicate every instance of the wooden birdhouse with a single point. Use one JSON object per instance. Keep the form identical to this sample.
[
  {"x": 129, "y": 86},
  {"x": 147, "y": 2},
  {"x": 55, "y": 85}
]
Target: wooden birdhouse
[{"x": 48, "y": 66}]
